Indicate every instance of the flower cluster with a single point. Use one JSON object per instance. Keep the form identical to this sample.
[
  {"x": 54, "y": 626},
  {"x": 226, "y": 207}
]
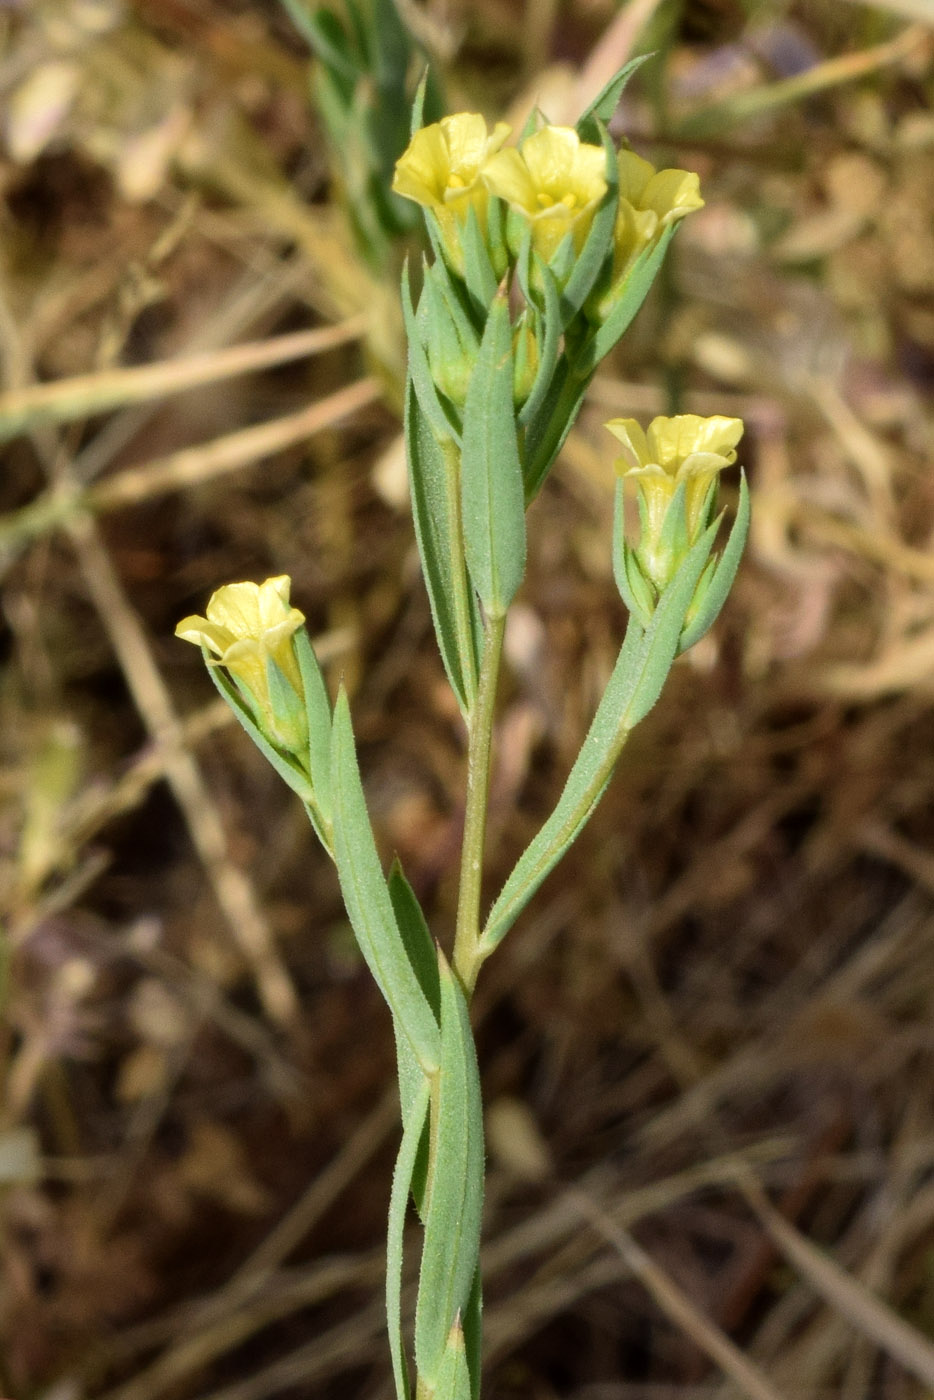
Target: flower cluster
[{"x": 552, "y": 184}]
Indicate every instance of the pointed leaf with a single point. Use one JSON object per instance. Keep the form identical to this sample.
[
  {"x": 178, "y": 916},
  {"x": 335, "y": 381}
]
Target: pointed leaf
[
  {"x": 452, "y": 1224},
  {"x": 395, "y": 1236},
  {"x": 637, "y": 285},
  {"x": 643, "y": 664},
  {"x": 606, "y": 102},
  {"x": 598, "y": 245},
  {"x": 491, "y": 472},
  {"x": 454, "y": 1375},
  {"x": 420, "y": 370},
  {"x": 440, "y": 548},
  {"x": 420, "y": 947},
  {"x": 478, "y": 270},
  {"x": 367, "y": 898}
]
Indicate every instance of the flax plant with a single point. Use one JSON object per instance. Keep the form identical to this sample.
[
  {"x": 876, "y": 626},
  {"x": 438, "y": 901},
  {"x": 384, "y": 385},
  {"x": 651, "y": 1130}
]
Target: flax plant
[{"x": 543, "y": 252}]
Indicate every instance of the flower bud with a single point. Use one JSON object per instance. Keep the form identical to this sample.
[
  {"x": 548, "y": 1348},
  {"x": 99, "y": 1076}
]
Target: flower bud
[
  {"x": 250, "y": 628},
  {"x": 675, "y": 465},
  {"x": 650, "y": 201}
]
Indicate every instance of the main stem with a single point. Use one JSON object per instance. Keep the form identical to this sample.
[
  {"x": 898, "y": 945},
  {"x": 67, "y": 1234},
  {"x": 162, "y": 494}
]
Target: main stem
[{"x": 467, "y": 936}]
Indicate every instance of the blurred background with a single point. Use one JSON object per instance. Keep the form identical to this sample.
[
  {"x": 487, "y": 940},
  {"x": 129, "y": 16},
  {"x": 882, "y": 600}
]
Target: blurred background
[{"x": 708, "y": 1047}]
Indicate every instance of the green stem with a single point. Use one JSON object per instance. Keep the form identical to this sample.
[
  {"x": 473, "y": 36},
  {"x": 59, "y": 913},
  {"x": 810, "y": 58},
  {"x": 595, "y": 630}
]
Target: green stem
[
  {"x": 462, "y": 620},
  {"x": 467, "y": 936},
  {"x": 558, "y": 836}
]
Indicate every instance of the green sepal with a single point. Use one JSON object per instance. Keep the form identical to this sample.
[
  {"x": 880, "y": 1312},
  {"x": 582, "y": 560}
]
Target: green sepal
[
  {"x": 604, "y": 105},
  {"x": 420, "y": 370},
  {"x": 318, "y": 713},
  {"x": 409, "y": 1148},
  {"x": 598, "y": 245},
  {"x": 628, "y": 301},
  {"x": 439, "y": 546},
  {"x": 284, "y": 765},
  {"x": 496, "y": 236},
  {"x": 491, "y": 470},
  {"x": 451, "y": 339},
  {"x": 660, "y": 557},
  {"x": 479, "y": 275},
  {"x": 634, "y": 589},
  {"x": 548, "y": 346},
  {"x": 367, "y": 898},
  {"x": 451, "y": 1245},
  {"x": 714, "y": 596},
  {"x": 634, "y": 686},
  {"x": 454, "y": 1380},
  {"x": 563, "y": 260},
  {"x": 288, "y": 710}
]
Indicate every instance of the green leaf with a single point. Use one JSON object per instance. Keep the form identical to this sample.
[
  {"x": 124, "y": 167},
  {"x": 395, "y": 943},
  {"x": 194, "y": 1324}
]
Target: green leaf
[
  {"x": 420, "y": 948},
  {"x": 418, "y": 104},
  {"x": 454, "y": 1381},
  {"x": 368, "y": 901},
  {"x": 555, "y": 419},
  {"x": 395, "y": 1235},
  {"x": 318, "y": 711},
  {"x": 636, "y": 683},
  {"x": 606, "y": 102},
  {"x": 598, "y": 245},
  {"x": 723, "y": 576},
  {"x": 472, "y": 1322},
  {"x": 439, "y": 547},
  {"x": 491, "y": 472},
  {"x": 631, "y": 296},
  {"x": 451, "y": 1246},
  {"x": 635, "y": 592},
  {"x": 420, "y": 370},
  {"x": 478, "y": 269},
  {"x": 548, "y": 348}
]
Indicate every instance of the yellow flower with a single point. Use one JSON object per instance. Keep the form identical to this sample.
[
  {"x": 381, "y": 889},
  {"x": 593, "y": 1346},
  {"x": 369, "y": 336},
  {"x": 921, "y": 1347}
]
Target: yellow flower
[
  {"x": 649, "y": 201},
  {"x": 685, "y": 449},
  {"x": 441, "y": 170},
  {"x": 249, "y": 625},
  {"x": 554, "y": 181}
]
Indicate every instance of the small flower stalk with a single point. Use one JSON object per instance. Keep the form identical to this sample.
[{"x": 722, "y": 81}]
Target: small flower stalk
[{"x": 543, "y": 252}]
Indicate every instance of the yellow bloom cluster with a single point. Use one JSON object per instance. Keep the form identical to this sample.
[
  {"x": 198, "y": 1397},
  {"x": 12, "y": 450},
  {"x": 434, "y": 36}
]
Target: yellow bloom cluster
[
  {"x": 249, "y": 625},
  {"x": 552, "y": 181}
]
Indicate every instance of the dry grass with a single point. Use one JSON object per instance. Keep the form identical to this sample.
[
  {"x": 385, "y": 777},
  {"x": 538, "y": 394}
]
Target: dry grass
[{"x": 708, "y": 1049}]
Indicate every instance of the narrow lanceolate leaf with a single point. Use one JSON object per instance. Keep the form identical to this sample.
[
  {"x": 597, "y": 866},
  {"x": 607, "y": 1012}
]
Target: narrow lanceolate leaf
[
  {"x": 633, "y": 293},
  {"x": 420, "y": 948},
  {"x": 420, "y": 370},
  {"x": 452, "y": 1224},
  {"x": 598, "y": 245},
  {"x": 491, "y": 472},
  {"x": 635, "y": 685},
  {"x": 606, "y": 102},
  {"x": 368, "y": 902},
  {"x": 473, "y": 1334},
  {"x": 454, "y": 1374},
  {"x": 434, "y": 500},
  {"x": 395, "y": 1236}
]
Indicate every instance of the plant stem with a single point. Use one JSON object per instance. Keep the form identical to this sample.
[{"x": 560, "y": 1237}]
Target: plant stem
[{"x": 467, "y": 936}]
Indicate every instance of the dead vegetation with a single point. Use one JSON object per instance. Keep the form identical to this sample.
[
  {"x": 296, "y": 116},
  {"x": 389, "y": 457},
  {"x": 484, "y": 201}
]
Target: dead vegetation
[{"x": 708, "y": 1050}]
